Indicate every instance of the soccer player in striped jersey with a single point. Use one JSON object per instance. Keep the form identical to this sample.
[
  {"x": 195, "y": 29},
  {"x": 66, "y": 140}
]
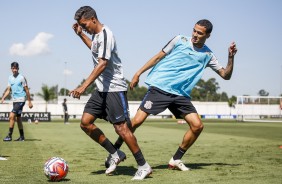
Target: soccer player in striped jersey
[{"x": 109, "y": 101}]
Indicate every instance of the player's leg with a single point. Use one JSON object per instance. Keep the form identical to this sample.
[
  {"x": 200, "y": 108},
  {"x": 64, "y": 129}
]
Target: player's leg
[
  {"x": 18, "y": 108},
  {"x": 95, "y": 108},
  {"x": 144, "y": 168},
  {"x": 117, "y": 112},
  {"x": 20, "y": 127},
  {"x": 133, "y": 124},
  {"x": 12, "y": 117},
  {"x": 67, "y": 118},
  {"x": 96, "y": 134},
  {"x": 138, "y": 119},
  {"x": 195, "y": 128}
]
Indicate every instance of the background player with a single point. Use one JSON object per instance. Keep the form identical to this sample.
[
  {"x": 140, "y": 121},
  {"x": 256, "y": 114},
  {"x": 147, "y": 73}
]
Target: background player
[
  {"x": 18, "y": 85},
  {"x": 65, "y": 110}
]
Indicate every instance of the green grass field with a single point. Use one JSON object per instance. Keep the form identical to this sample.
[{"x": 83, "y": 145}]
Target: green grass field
[{"x": 226, "y": 152}]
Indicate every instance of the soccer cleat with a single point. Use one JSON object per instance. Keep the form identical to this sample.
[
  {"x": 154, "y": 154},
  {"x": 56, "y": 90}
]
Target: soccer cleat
[
  {"x": 120, "y": 154},
  {"x": 2, "y": 158},
  {"x": 21, "y": 138},
  {"x": 142, "y": 172},
  {"x": 113, "y": 163},
  {"x": 177, "y": 164},
  {"x": 8, "y": 138}
]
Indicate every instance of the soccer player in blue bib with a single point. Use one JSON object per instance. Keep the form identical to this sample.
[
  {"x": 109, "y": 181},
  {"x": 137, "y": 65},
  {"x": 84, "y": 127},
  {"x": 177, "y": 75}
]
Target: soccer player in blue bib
[
  {"x": 109, "y": 100},
  {"x": 20, "y": 93},
  {"x": 176, "y": 69}
]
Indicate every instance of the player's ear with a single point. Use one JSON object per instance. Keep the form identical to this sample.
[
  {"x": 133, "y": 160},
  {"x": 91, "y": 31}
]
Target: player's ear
[
  {"x": 93, "y": 20},
  {"x": 208, "y": 35}
]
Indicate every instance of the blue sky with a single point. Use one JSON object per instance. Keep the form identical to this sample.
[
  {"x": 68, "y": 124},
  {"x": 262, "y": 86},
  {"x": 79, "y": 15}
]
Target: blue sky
[{"x": 39, "y": 36}]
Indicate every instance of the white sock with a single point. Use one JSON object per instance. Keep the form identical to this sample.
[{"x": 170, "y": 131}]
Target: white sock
[
  {"x": 115, "y": 155},
  {"x": 146, "y": 165}
]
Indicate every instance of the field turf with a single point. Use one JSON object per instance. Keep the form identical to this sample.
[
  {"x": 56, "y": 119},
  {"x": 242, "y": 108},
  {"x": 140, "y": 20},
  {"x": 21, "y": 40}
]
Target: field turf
[{"x": 226, "y": 152}]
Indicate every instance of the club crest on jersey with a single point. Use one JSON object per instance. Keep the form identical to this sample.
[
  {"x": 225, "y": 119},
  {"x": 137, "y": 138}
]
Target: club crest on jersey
[
  {"x": 148, "y": 105},
  {"x": 184, "y": 39}
]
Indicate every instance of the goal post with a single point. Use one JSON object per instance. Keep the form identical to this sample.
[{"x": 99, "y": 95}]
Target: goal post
[{"x": 259, "y": 108}]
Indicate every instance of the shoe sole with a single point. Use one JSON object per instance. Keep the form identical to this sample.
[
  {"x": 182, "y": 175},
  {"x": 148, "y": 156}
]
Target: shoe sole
[{"x": 172, "y": 167}]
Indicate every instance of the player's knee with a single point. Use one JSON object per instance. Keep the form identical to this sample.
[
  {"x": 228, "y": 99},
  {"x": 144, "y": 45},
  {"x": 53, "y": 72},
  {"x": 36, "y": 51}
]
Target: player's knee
[
  {"x": 197, "y": 128},
  {"x": 84, "y": 125},
  {"x": 13, "y": 117},
  {"x": 122, "y": 129}
]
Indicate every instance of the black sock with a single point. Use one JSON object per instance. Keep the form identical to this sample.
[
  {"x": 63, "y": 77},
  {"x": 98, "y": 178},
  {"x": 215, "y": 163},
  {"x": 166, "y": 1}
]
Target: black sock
[
  {"x": 21, "y": 132},
  {"x": 139, "y": 158},
  {"x": 11, "y": 131},
  {"x": 179, "y": 154},
  {"x": 118, "y": 143},
  {"x": 109, "y": 146}
]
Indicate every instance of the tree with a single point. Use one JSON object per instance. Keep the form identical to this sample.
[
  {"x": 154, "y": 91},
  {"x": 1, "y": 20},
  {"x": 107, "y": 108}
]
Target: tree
[
  {"x": 206, "y": 91},
  {"x": 63, "y": 92},
  {"x": 224, "y": 97},
  {"x": 262, "y": 92},
  {"x": 137, "y": 93},
  {"x": 231, "y": 102},
  {"x": 48, "y": 94}
]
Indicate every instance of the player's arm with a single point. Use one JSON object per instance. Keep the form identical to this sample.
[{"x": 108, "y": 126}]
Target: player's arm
[
  {"x": 226, "y": 72},
  {"x": 152, "y": 62},
  {"x": 78, "y": 30},
  {"x": 76, "y": 93},
  {"x": 6, "y": 93},
  {"x": 28, "y": 96}
]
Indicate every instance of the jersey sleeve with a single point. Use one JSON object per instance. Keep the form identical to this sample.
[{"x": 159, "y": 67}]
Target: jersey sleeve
[
  {"x": 106, "y": 45},
  {"x": 170, "y": 45},
  {"x": 214, "y": 64},
  {"x": 23, "y": 81}
]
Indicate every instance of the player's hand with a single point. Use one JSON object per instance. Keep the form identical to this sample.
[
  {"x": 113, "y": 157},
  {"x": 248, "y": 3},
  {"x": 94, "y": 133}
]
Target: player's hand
[
  {"x": 30, "y": 104},
  {"x": 134, "y": 81},
  {"x": 77, "y": 29},
  {"x": 76, "y": 93},
  {"x": 232, "y": 50}
]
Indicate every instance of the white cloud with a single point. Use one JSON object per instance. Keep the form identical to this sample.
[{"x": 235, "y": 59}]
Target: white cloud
[
  {"x": 37, "y": 46},
  {"x": 67, "y": 72}
]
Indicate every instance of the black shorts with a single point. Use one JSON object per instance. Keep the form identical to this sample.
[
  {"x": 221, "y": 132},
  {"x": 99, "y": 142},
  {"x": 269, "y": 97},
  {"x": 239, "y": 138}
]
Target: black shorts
[
  {"x": 156, "y": 101},
  {"x": 18, "y": 108},
  {"x": 111, "y": 106}
]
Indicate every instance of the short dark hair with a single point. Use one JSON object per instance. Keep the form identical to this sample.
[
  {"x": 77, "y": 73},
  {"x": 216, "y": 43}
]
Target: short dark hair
[
  {"x": 86, "y": 12},
  {"x": 15, "y": 64},
  {"x": 207, "y": 24}
]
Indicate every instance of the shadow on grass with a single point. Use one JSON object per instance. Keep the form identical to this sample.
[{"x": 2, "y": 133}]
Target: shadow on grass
[
  {"x": 63, "y": 180},
  {"x": 198, "y": 165},
  {"x": 121, "y": 170},
  {"x": 4, "y": 156},
  {"x": 32, "y": 140}
]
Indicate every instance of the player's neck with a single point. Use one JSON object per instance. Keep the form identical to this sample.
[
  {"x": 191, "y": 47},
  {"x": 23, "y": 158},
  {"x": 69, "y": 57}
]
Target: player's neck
[
  {"x": 15, "y": 74},
  {"x": 99, "y": 28}
]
